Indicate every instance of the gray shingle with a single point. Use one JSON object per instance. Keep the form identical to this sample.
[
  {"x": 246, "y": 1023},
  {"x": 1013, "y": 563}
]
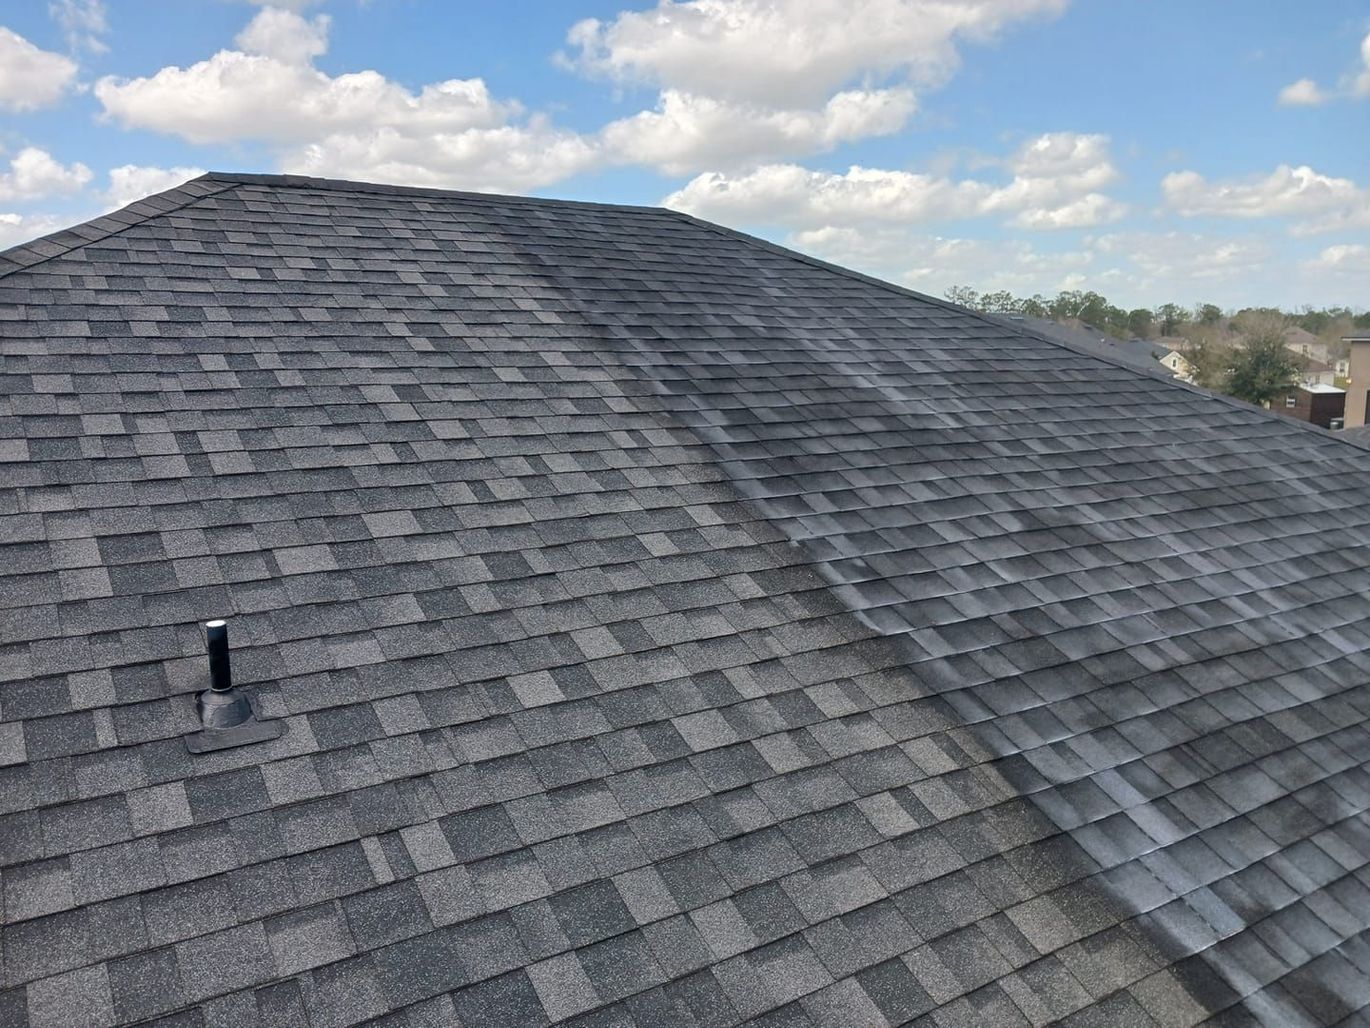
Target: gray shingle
[
  {"x": 224, "y": 961},
  {"x": 32, "y": 890},
  {"x": 189, "y": 909},
  {"x": 303, "y": 939},
  {"x": 591, "y": 912},
  {"x": 509, "y": 1001},
  {"x": 381, "y": 916},
  {"x": 562, "y": 986},
  {"x": 77, "y": 997},
  {"x": 670, "y": 628},
  {"x": 117, "y": 870},
  {"x": 449, "y": 895},
  {"x": 342, "y": 993},
  {"x": 145, "y": 984}
]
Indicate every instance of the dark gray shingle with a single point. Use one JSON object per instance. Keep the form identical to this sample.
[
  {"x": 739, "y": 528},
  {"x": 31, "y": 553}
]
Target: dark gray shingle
[{"x": 670, "y": 627}]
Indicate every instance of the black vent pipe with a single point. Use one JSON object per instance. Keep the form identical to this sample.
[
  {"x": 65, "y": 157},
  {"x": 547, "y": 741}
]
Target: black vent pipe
[
  {"x": 227, "y": 714},
  {"x": 220, "y": 674}
]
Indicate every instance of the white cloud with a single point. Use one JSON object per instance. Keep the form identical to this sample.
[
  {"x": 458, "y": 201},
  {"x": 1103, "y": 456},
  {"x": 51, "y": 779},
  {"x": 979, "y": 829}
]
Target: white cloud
[
  {"x": 83, "y": 22},
  {"x": 1174, "y": 258},
  {"x": 286, "y": 5},
  {"x": 1089, "y": 210},
  {"x": 29, "y": 77},
  {"x": 787, "y": 194},
  {"x": 1351, "y": 260},
  {"x": 1056, "y": 178},
  {"x": 688, "y": 132},
  {"x": 1360, "y": 85},
  {"x": 934, "y": 263},
  {"x": 34, "y": 173},
  {"x": 20, "y": 228},
  {"x": 455, "y": 133},
  {"x": 750, "y": 81},
  {"x": 1320, "y": 202},
  {"x": 1130, "y": 268},
  {"x": 357, "y": 125},
  {"x": 1303, "y": 93},
  {"x": 1354, "y": 85},
  {"x": 1054, "y": 185},
  {"x": 285, "y": 36},
  {"x": 236, "y": 96},
  {"x": 505, "y": 157},
  {"x": 788, "y": 53},
  {"x": 132, "y": 182}
]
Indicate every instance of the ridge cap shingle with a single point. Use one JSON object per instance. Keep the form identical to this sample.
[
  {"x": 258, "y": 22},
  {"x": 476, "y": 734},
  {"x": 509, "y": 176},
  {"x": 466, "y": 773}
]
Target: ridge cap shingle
[
  {"x": 389, "y": 189},
  {"x": 63, "y": 241}
]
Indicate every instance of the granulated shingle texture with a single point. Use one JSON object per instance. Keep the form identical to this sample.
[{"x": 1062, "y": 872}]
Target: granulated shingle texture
[{"x": 669, "y": 629}]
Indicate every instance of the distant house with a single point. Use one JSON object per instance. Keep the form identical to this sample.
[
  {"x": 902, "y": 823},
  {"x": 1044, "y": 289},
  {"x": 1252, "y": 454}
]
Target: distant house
[
  {"x": 1177, "y": 364},
  {"x": 1145, "y": 353},
  {"x": 1306, "y": 344},
  {"x": 1316, "y": 403},
  {"x": 1358, "y": 375},
  {"x": 1316, "y": 372}
]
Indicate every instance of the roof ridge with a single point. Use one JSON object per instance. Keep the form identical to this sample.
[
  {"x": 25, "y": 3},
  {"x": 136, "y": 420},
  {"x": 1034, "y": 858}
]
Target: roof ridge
[
  {"x": 388, "y": 189},
  {"x": 63, "y": 241},
  {"x": 1020, "y": 329}
]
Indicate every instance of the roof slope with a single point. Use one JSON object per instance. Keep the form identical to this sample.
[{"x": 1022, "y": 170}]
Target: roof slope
[{"x": 670, "y": 629}]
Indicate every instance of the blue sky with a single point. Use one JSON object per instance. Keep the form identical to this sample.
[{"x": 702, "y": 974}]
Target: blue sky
[{"x": 1152, "y": 150}]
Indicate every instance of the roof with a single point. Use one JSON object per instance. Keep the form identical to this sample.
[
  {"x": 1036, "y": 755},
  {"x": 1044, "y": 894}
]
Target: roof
[
  {"x": 1141, "y": 353},
  {"x": 1147, "y": 348},
  {"x": 669, "y": 629},
  {"x": 1319, "y": 387}
]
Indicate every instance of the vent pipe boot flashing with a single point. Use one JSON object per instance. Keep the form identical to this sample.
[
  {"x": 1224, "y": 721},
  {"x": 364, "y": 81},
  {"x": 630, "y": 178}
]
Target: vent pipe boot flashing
[{"x": 228, "y": 714}]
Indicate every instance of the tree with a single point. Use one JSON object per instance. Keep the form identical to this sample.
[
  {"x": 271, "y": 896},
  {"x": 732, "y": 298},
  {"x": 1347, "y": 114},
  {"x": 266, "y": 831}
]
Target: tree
[
  {"x": 1094, "y": 309},
  {"x": 1139, "y": 322},
  {"x": 1068, "y": 304},
  {"x": 1262, "y": 368},
  {"x": 1210, "y": 357},
  {"x": 1170, "y": 316},
  {"x": 1208, "y": 314},
  {"x": 1002, "y": 302},
  {"x": 963, "y": 295}
]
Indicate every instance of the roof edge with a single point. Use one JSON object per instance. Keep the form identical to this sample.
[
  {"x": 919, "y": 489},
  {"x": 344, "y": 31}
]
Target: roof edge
[
  {"x": 341, "y": 185},
  {"x": 63, "y": 241}
]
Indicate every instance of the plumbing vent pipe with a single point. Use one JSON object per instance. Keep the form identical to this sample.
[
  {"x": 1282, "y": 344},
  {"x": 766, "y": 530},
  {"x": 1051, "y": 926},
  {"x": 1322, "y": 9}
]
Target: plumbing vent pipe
[{"x": 228, "y": 714}]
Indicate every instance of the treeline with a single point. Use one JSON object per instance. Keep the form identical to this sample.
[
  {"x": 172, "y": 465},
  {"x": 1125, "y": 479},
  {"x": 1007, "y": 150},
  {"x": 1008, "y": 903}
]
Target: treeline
[{"x": 1169, "y": 319}]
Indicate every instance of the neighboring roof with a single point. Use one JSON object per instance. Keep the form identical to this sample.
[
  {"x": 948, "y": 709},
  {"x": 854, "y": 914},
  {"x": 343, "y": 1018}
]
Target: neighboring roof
[
  {"x": 670, "y": 629},
  {"x": 1140, "y": 353},
  {"x": 1319, "y": 387}
]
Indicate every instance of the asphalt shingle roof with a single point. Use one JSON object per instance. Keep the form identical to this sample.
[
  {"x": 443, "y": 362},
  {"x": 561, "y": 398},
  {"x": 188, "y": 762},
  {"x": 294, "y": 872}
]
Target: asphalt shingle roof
[{"x": 670, "y": 629}]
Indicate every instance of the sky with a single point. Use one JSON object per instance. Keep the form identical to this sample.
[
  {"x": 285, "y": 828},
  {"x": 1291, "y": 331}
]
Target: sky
[{"x": 1155, "y": 151}]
